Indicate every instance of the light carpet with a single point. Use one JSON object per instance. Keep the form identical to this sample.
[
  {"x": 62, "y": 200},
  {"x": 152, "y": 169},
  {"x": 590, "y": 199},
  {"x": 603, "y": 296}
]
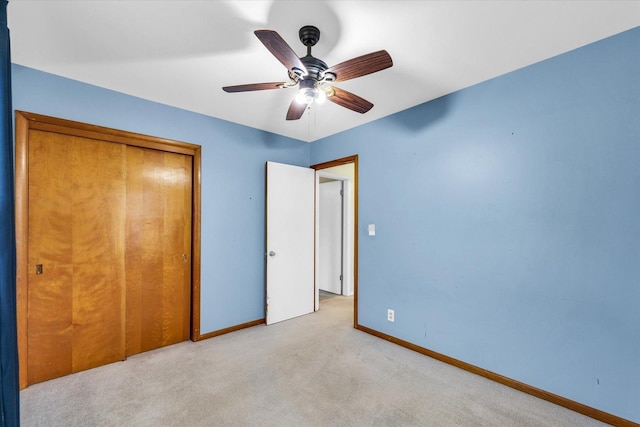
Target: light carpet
[{"x": 315, "y": 370}]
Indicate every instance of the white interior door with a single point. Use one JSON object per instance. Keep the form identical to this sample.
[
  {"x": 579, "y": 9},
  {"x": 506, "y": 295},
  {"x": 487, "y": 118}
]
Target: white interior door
[
  {"x": 290, "y": 241},
  {"x": 330, "y": 236}
]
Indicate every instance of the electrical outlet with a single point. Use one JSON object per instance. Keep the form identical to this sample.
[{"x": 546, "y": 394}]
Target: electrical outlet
[{"x": 391, "y": 315}]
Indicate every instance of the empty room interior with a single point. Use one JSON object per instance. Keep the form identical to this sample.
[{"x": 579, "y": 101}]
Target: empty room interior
[{"x": 274, "y": 210}]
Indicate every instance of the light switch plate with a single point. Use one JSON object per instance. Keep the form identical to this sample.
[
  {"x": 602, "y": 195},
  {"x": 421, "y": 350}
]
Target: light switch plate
[{"x": 372, "y": 229}]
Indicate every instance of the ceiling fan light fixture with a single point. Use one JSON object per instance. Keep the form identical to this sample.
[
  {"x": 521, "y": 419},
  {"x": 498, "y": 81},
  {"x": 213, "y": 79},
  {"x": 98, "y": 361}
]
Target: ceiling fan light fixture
[
  {"x": 310, "y": 96},
  {"x": 310, "y": 93},
  {"x": 321, "y": 96}
]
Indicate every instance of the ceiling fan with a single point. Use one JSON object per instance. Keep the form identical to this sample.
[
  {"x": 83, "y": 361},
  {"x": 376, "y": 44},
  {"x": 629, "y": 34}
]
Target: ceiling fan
[{"x": 312, "y": 75}]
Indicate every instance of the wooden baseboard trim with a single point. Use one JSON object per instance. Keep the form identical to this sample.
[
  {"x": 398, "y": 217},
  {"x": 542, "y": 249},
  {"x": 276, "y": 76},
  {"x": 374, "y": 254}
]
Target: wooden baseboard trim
[
  {"x": 525, "y": 388},
  {"x": 230, "y": 329}
]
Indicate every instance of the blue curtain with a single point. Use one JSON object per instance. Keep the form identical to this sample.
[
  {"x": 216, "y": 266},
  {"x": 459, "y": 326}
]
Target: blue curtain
[{"x": 9, "y": 391}]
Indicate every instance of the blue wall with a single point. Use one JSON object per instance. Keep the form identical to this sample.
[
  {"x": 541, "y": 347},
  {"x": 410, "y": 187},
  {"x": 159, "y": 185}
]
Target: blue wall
[
  {"x": 233, "y": 171},
  {"x": 507, "y": 224}
]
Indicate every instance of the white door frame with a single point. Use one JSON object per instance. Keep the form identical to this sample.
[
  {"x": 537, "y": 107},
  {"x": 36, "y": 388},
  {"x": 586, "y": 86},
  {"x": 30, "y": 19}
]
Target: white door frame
[{"x": 347, "y": 235}]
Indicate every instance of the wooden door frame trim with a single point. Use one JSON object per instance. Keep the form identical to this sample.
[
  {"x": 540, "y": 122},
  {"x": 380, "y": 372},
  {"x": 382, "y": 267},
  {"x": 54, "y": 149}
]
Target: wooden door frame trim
[
  {"x": 339, "y": 162},
  {"x": 25, "y": 122}
]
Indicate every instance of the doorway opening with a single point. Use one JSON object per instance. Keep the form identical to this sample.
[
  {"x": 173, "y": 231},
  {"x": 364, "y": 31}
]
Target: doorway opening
[{"x": 336, "y": 259}]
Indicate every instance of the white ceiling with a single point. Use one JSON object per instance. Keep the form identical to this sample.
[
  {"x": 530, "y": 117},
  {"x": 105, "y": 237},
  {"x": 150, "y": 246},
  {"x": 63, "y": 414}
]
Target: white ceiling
[{"x": 181, "y": 53}]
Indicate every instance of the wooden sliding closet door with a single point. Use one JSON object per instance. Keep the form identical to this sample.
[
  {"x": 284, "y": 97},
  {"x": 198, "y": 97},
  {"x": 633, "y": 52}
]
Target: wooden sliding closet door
[
  {"x": 158, "y": 249},
  {"x": 107, "y": 245},
  {"x": 76, "y": 281}
]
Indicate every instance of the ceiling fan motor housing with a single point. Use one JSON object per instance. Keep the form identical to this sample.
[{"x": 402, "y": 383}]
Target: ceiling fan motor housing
[{"x": 315, "y": 67}]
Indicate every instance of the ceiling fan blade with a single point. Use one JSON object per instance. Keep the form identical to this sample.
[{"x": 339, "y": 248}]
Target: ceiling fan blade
[
  {"x": 361, "y": 66},
  {"x": 296, "y": 110},
  {"x": 280, "y": 49},
  {"x": 253, "y": 86},
  {"x": 349, "y": 100}
]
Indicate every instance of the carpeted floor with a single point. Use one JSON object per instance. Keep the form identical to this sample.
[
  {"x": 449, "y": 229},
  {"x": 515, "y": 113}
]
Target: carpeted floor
[
  {"x": 315, "y": 370},
  {"x": 326, "y": 295}
]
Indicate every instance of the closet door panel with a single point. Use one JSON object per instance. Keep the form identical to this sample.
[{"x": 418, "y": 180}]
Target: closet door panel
[
  {"x": 158, "y": 248},
  {"x": 75, "y": 254},
  {"x": 49, "y": 271},
  {"x": 177, "y": 248},
  {"x": 99, "y": 198}
]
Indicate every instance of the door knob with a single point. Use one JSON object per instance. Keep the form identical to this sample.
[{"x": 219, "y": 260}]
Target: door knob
[{"x": 271, "y": 253}]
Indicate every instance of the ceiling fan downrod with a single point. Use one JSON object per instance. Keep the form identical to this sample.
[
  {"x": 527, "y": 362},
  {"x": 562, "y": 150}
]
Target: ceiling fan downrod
[{"x": 309, "y": 36}]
